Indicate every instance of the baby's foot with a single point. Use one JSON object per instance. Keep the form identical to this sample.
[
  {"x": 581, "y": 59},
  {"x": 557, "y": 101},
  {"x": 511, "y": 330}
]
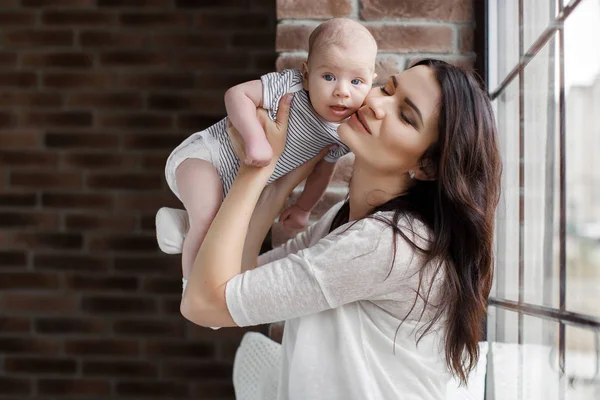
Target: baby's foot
[
  {"x": 258, "y": 152},
  {"x": 171, "y": 227}
]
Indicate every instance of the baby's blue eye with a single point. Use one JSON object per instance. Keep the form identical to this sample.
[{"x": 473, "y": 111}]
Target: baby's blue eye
[
  {"x": 355, "y": 81},
  {"x": 328, "y": 77}
]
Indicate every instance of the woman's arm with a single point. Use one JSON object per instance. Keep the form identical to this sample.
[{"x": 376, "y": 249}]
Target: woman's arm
[{"x": 220, "y": 257}]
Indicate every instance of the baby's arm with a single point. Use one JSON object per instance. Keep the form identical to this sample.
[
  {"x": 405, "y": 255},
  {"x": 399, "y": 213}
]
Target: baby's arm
[
  {"x": 296, "y": 216},
  {"x": 241, "y": 102}
]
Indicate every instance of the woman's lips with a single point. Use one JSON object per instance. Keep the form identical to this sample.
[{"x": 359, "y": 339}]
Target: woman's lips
[{"x": 358, "y": 123}]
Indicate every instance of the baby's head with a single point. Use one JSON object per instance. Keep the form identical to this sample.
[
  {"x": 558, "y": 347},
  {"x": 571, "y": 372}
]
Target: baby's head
[{"x": 340, "y": 68}]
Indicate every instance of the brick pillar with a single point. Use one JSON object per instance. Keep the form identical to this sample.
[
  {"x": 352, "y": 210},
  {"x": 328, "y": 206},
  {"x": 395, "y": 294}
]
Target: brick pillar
[
  {"x": 94, "y": 94},
  {"x": 405, "y": 30}
]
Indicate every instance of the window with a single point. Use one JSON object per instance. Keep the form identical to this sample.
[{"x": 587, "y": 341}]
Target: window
[{"x": 543, "y": 72}]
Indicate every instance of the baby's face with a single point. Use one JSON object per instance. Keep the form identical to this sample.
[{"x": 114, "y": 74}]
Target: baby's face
[{"x": 338, "y": 79}]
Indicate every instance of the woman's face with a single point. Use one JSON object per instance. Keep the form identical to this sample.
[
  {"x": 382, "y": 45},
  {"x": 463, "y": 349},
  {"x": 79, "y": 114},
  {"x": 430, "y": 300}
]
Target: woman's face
[{"x": 397, "y": 123}]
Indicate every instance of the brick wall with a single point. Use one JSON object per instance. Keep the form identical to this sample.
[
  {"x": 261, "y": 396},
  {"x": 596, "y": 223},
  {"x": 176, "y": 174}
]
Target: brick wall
[{"x": 93, "y": 96}]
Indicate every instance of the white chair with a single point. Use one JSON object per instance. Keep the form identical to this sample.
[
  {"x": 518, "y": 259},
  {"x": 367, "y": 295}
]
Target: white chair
[{"x": 258, "y": 360}]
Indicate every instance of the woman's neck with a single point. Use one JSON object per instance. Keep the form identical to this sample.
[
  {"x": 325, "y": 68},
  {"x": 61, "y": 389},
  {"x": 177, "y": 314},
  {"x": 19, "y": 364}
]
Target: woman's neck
[{"x": 369, "y": 189}]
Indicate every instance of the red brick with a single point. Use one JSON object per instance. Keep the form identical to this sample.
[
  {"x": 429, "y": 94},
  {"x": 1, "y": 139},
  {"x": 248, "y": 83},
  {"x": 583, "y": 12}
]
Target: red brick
[
  {"x": 133, "y": 59},
  {"x": 18, "y": 79},
  {"x": 213, "y": 60},
  {"x": 170, "y": 328},
  {"x": 163, "y": 349},
  {"x": 78, "y": 18},
  {"x": 289, "y": 61},
  {"x": 118, "y": 305},
  {"x": 71, "y": 262},
  {"x": 193, "y": 122},
  {"x": 99, "y": 161},
  {"x": 264, "y": 62},
  {"x": 28, "y": 159},
  {"x": 466, "y": 62},
  {"x": 30, "y": 100},
  {"x": 57, "y": 3},
  {"x": 126, "y": 243},
  {"x": 76, "y": 80},
  {"x": 81, "y": 140},
  {"x": 8, "y": 59},
  {"x": 136, "y": 121},
  {"x": 445, "y": 10},
  {"x": 38, "y": 304},
  {"x": 293, "y": 37},
  {"x": 162, "y": 285},
  {"x": 35, "y": 38},
  {"x": 13, "y": 258},
  {"x": 14, "y": 325},
  {"x": 218, "y": 390},
  {"x": 153, "y": 389},
  {"x": 19, "y": 139},
  {"x": 57, "y": 60},
  {"x": 202, "y": 40},
  {"x": 109, "y": 223},
  {"x": 155, "y": 20},
  {"x": 124, "y": 181},
  {"x": 57, "y": 119},
  {"x": 154, "y": 141},
  {"x": 145, "y": 203},
  {"x": 112, "y": 39},
  {"x": 151, "y": 162},
  {"x": 8, "y": 18},
  {"x": 77, "y": 200},
  {"x": 56, "y": 240},
  {"x": 403, "y": 39},
  {"x": 97, "y": 100},
  {"x": 134, "y": 3},
  {"x": 74, "y": 387},
  {"x": 291, "y": 9},
  {"x": 46, "y": 180},
  {"x": 38, "y": 365},
  {"x": 7, "y": 119},
  {"x": 466, "y": 39},
  {"x": 102, "y": 283},
  {"x": 226, "y": 4},
  {"x": 14, "y": 219},
  {"x": 148, "y": 265},
  {"x": 120, "y": 368},
  {"x": 69, "y": 325},
  {"x": 170, "y": 81},
  {"x": 244, "y": 20},
  {"x": 18, "y": 199},
  {"x": 24, "y": 345},
  {"x": 208, "y": 371},
  {"x": 172, "y": 306},
  {"x": 15, "y": 386},
  {"x": 385, "y": 66},
  {"x": 253, "y": 41},
  {"x": 101, "y": 347}
]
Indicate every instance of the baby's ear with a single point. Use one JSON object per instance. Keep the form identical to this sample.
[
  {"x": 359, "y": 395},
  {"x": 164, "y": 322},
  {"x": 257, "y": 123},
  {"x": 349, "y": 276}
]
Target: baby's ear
[
  {"x": 305, "y": 75},
  {"x": 374, "y": 77}
]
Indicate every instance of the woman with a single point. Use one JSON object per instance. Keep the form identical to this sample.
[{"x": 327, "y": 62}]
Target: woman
[{"x": 386, "y": 293}]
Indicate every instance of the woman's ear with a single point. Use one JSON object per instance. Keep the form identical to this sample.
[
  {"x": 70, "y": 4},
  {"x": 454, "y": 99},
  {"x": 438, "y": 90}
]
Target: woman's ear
[{"x": 305, "y": 75}]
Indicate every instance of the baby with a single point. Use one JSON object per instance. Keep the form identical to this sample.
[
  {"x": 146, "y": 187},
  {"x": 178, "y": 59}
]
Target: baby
[{"x": 331, "y": 86}]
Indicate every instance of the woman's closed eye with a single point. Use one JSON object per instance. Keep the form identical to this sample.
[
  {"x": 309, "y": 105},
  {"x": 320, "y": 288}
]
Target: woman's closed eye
[{"x": 403, "y": 116}]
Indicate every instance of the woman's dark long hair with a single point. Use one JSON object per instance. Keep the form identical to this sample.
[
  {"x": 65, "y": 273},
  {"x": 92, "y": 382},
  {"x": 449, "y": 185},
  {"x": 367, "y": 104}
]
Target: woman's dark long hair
[{"x": 458, "y": 206}]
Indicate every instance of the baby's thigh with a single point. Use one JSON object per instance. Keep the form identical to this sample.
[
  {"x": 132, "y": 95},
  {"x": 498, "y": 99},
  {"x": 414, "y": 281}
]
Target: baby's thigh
[{"x": 199, "y": 187}]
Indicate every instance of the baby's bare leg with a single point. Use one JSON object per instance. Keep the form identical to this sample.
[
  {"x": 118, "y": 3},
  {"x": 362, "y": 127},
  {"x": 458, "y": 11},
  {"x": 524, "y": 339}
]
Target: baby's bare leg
[{"x": 201, "y": 191}]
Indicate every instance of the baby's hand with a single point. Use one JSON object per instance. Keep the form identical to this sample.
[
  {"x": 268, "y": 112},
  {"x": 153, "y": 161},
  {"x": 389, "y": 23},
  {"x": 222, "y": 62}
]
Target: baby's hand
[{"x": 294, "y": 218}]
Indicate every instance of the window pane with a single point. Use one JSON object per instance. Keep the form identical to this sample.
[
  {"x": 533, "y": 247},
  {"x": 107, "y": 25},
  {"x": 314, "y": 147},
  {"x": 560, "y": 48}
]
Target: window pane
[
  {"x": 540, "y": 186},
  {"x": 582, "y": 80},
  {"x": 526, "y": 371},
  {"x": 582, "y": 364},
  {"x": 506, "y": 277},
  {"x": 504, "y": 39},
  {"x": 537, "y": 15}
]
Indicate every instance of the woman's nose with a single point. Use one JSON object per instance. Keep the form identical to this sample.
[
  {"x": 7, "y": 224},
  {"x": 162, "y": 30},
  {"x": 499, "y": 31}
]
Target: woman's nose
[{"x": 376, "y": 105}]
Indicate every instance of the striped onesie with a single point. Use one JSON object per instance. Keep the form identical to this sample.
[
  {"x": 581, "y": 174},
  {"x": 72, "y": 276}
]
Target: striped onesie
[{"x": 308, "y": 133}]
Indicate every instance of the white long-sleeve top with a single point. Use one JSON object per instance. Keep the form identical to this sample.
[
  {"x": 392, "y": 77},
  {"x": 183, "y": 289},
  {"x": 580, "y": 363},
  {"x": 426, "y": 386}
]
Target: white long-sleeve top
[{"x": 343, "y": 302}]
